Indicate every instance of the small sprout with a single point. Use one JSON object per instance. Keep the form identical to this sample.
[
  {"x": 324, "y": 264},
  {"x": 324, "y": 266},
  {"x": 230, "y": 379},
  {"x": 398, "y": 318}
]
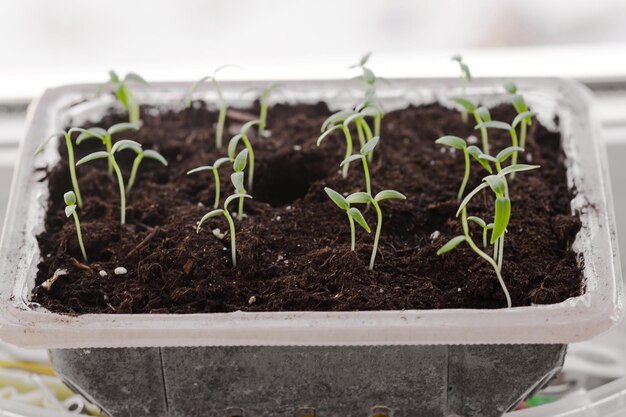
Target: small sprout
[
  {"x": 239, "y": 164},
  {"x": 263, "y": 103},
  {"x": 485, "y": 227},
  {"x": 124, "y": 94},
  {"x": 327, "y": 129},
  {"x": 243, "y": 136},
  {"x": 110, "y": 156},
  {"x": 458, "y": 143},
  {"x": 494, "y": 124},
  {"x": 354, "y": 214},
  {"x": 371, "y": 98},
  {"x": 480, "y": 113},
  {"x": 141, "y": 154},
  {"x": 365, "y": 198},
  {"x": 105, "y": 135},
  {"x": 523, "y": 113},
  {"x": 221, "y": 118},
  {"x": 466, "y": 77},
  {"x": 70, "y": 210},
  {"x": 214, "y": 168},
  {"x": 70, "y": 156},
  {"x": 224, "y": 212},
  {"x": 363, "y": 154}
]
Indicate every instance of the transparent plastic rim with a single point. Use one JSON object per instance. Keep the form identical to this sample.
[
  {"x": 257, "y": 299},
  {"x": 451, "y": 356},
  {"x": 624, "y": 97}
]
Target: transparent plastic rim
[{"x": 575, "y": 319}]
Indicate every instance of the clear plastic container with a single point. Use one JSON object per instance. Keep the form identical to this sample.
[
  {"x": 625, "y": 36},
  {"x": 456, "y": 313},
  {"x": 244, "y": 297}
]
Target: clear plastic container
[{"x": 575, "y": 319}]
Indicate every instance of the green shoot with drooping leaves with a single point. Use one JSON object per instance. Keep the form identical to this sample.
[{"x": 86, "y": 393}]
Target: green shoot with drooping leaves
[
  {"x": 223, "y": 106},
  {"x": 480, "y": 113},
  {"x": 371, "y": 97},
  {"x": 70, "y": 210},
  {"x": 522, "y": 110},
  {"x": 124, "y": 93},
  {"x": 353, "y": 213},
  {"x": 105, "y": 136},
  {"x": 231, "y": 224},
  {"x": 243, "y": 137},
  {"x": 110, "y": 156},
  {"x": 466, "y": 78},
  {"x": 141, "y": 154},
  {"x": 328, "y": 128},
  {"x": 456, "y": 142},
  {"x": 263, "y": 107},
  {"x": 70, "y": 157},
  {"x": 511, "y": 128},
  {"x": 237, "y": 178},
  {"x": 366, "y": 198},
  {"x": 502, "y": 214},
  {"x": 215, "y": 169},
  {"x": 364, "y": 153}
]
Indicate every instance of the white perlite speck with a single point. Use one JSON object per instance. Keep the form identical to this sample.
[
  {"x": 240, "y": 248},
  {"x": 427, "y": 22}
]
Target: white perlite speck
[
  {"x": 472, "y": 140},
  {"x": 218, "y": 234},
  {"x": 103, "y": 274},
  {"x": 120, "y": 270},
  {"x": 434, "y": 235}
]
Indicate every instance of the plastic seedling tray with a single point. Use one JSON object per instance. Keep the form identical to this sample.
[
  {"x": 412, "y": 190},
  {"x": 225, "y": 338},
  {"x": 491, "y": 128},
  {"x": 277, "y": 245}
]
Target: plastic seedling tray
[{"x": 415, "y": 363}]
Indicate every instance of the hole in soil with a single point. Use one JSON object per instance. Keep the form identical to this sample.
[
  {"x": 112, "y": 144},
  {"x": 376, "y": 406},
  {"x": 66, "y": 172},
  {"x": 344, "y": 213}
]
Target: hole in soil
[
  {"x": 381, "y": 411},
  {"x": 283, "y": 179},
  {"x": 305, "y": 412},
  {"x": 234, "y": 412}
]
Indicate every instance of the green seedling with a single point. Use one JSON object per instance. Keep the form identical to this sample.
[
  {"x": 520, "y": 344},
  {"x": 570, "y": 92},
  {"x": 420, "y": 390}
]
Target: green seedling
[
  {"x": 485, "y": 227},
  {"x": 223, "y": 107},
  {"x": 348, "y": 138},
  {"x": 485, "y": 160},
  {"x": 494, "y": 124},
  {"x": 456, "y": 142},
  {"x": 239, "y": 164},
  {"x": 70, "y": 210},
  {"x": 498, "y": 185},
  {"x": 124, "y": 93},
  {"x": 264, "y": 103},
  {"x": 354, "y": 214},
  {"x": 70, "y": 157},
  {"x": 466, "y": 78},
  {"x": 371, "y": 98},
  {"x": 105, "y": 135},
  {"x": 365, "y": 198},
  {"x": 231, "y": 224},
  {"x": 215, "y": 169},
  {"x": 141, "y": 154},
  {"x": 522, "y": 110},
  {"x": 481, "y": 114},
  {"x": 110, "y": 156},
  {"x": 243, "y": 136},
  {"x": 363, "y": 154}
]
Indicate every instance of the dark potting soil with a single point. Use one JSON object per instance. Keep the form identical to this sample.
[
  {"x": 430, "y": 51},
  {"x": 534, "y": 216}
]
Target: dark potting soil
[{"x": 294, "y": 245}]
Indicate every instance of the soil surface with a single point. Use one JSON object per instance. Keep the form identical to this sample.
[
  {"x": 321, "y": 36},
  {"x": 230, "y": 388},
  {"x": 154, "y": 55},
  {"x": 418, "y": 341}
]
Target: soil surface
[{"x": 293, "y": 245}]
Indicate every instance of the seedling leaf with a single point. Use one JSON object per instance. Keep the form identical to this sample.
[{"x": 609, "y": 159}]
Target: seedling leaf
[
  {"x": 467, "y": 105},
  {"x": 494, "y": 124},
  {"x": 452, "y": 243},
  {"x": 351, "y": 158},
  {"x": 93, "y": 156},
  {"x": 237, "y": 179},
  {"x": 453, "y": 141},
  {"x": 126, "y": 144},
  {"x": 357, "y": 216},
  {"x": 468, "y": 197},
  {"x": 524, "y": 116},
  {"x": 516, "y": 168},
  {"x": 483, "y": 113},
  {"x": 240, "y": 161},
  {"x": 507, "y": 152},
  {"x": 359, "y": 198},
  {"x": 386, "y": 194},
  {"x": 477, "y": 220},
  {"x": 327, "y": 133},
  {"x": 120, "y": 127},
  {"x": 150, "y": 154},
  {"x": 496, "y": 183},
  {"x": 69, "y": 210},
  {"x": 501, "y": 218},
  {"x": 370, "y": 145},
  {"x": 337, "y": 198}
]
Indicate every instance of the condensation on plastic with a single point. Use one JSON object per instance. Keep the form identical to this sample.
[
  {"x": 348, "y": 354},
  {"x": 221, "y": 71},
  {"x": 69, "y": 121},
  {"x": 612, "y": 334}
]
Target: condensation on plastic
[{"x": 578, "y": 318}]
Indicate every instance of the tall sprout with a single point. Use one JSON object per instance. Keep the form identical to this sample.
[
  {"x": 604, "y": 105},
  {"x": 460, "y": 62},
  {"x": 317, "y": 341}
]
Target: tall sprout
[
  {"x": 105, "y": 136},
  {"x": 216, "y": 175},
  {"x": 124, "y": 93},
  {"x": 466, "y": 78},
  {"x": 243, "y": 137}
]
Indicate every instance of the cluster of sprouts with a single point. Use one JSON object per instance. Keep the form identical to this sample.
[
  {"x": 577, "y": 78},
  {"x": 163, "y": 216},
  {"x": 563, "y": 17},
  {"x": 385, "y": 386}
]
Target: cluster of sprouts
[
  {"x": 239, "y": 161},
  {"x": 368, "y": 111},
  {"x": 363, "y": 121},
  {"x": 496, "y": 181}
]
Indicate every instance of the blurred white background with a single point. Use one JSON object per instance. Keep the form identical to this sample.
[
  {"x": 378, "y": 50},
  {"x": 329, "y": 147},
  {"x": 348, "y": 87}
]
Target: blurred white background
[{"x": 47, "y": 42}]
